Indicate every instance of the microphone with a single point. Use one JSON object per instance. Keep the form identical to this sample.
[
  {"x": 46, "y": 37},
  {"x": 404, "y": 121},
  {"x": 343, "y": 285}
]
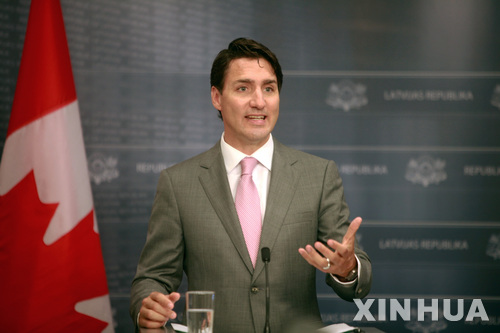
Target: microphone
[{"x": 266, "y": 258}]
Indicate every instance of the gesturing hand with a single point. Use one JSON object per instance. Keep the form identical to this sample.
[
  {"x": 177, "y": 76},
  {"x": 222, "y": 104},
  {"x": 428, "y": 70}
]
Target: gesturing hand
[{"x": 341, "y": 259}]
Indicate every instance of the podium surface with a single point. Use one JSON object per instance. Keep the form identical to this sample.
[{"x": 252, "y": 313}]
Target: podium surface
[{"x": 169, "y": 329}]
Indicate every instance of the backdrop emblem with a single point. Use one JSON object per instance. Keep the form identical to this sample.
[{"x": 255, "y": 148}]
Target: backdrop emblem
[
  {"x": 102, "y": 168},
  {"x": 495, "y": 99},
  {"x": 494, "y": 247},
  {"x": 346, "y": 95},
  {"x": 425, "y": 171}
]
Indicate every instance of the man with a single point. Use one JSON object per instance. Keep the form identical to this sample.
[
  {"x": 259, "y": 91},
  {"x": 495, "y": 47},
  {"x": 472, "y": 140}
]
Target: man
[{"x": 302, "y": 218}]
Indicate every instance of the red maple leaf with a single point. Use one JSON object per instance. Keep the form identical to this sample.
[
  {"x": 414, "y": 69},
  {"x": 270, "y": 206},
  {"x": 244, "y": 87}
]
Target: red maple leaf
[{"x": 41, "y": 284}]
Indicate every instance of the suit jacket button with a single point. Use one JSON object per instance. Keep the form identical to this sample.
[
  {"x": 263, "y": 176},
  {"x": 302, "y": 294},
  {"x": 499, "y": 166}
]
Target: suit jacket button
[{"x": 255, "y": 290}]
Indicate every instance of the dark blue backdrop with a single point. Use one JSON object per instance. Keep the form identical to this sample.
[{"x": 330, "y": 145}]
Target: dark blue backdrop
[{"x": 403, "y": 95}]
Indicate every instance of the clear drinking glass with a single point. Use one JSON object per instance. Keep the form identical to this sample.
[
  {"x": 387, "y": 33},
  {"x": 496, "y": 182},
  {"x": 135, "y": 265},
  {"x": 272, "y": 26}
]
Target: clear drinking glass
[{"x": 200, "y": 311}]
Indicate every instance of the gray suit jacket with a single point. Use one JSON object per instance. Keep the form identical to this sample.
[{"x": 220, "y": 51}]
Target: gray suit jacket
[{"x": 194, "y": 228}]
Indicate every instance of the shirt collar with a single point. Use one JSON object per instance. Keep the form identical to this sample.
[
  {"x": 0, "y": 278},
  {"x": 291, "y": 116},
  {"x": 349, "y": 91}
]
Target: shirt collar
[{"x": 233, "y": 156}]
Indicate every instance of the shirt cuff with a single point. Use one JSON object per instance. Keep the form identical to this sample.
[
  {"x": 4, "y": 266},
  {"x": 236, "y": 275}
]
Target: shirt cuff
[{"x": 349, "y": 282}]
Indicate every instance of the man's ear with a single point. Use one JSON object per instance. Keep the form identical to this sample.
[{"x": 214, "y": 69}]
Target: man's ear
[{"x": 215, "y": 93}]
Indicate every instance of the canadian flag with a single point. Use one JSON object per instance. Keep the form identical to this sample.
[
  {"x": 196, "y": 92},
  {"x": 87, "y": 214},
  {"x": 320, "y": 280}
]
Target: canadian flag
[{"x": 52, "y": 272}]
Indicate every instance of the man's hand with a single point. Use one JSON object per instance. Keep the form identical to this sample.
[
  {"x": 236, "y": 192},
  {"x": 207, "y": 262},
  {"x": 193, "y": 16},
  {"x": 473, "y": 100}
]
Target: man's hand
[
  {"x": 342, "y": 259},
  {"x": 157, "y": 309}
]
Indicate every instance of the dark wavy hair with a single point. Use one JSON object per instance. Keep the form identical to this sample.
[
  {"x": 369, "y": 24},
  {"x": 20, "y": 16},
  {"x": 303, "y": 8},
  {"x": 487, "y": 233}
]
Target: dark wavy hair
[{"x": 242, "y": 48}]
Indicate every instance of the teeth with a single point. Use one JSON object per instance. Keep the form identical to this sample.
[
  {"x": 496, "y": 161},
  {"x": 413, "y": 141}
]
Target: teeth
[{"x": 256, "y": 117}]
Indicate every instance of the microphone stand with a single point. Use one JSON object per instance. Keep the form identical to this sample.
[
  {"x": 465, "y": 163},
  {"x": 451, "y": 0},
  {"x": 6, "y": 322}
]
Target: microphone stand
[{"x": 266, "y": 257}]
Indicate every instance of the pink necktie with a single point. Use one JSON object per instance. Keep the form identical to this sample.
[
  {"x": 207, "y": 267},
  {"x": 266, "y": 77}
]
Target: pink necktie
[{"x": 247, "y": 203}]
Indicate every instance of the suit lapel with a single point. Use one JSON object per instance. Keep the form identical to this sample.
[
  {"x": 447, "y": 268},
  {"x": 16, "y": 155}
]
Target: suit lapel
[
  {"x": 213, "y": 178},
  {"x": 281, "y": 191}
]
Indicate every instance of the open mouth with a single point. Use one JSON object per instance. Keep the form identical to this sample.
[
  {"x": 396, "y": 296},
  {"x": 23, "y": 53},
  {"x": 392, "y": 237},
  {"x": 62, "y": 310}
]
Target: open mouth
[{"x": 256, "y": 117}]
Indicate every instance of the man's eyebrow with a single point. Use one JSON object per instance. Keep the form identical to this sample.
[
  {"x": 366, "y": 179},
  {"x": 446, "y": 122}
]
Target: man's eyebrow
[
  {"x": 270, "y": 81},
  {"x": 244, "y": 81}
]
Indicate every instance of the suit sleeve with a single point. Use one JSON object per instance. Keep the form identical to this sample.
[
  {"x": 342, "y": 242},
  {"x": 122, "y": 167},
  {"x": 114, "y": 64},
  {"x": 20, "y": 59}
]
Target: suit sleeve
[
  {"x": 333, "y": 224},
  {"x": 160, "y": 266}
]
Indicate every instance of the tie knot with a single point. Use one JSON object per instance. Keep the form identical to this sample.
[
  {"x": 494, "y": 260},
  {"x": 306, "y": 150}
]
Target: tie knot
[{"x": 247, "y": 165}]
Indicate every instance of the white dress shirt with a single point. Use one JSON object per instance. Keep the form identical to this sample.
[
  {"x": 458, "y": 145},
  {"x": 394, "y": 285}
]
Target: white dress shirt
[{"x": 261, "y": 173}]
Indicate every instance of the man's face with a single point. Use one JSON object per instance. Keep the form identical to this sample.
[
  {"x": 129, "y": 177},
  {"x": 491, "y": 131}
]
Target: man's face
[{"x": 249, "y": 103}]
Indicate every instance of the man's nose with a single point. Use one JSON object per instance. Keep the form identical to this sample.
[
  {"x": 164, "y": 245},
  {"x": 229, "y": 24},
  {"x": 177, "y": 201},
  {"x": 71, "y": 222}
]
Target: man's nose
[{"x": 258, "y": 101}]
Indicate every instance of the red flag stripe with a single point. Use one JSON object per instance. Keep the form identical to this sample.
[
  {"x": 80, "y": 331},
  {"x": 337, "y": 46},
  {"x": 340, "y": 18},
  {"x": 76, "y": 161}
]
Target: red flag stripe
[
  {"x": 45, "y": 80},
  {"x": 49, "y": 242}
]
